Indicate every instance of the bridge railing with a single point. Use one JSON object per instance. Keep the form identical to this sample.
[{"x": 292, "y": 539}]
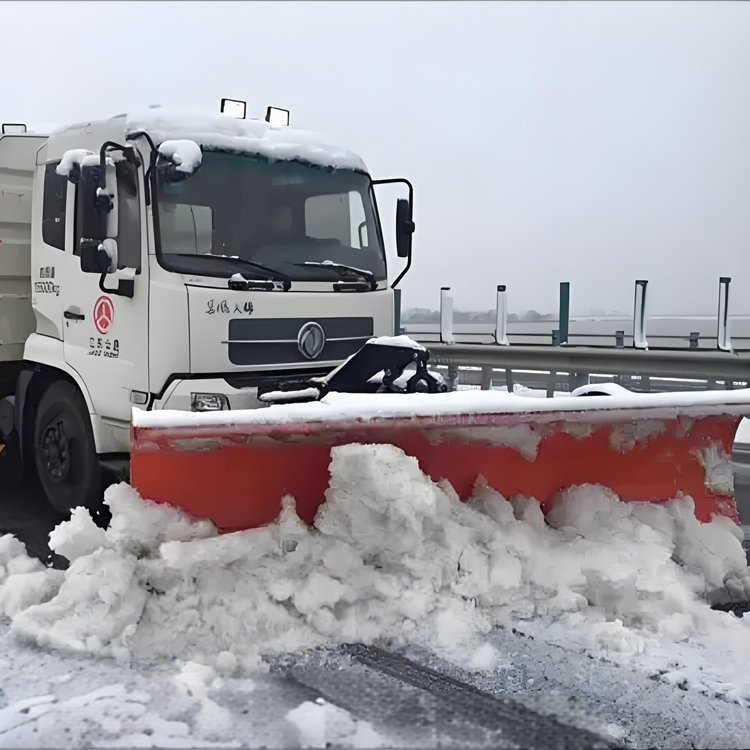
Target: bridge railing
[{"x": 491, "y": 355}]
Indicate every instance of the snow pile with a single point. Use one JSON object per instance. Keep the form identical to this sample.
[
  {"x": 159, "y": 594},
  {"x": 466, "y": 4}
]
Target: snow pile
[{"x": 393, "y": 555}]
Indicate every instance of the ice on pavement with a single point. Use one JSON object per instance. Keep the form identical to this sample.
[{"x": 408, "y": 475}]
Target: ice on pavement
[{"x": 394, "y": 556}]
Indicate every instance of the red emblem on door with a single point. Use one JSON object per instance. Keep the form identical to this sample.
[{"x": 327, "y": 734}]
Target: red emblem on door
[{"x": 104, "y": 314}]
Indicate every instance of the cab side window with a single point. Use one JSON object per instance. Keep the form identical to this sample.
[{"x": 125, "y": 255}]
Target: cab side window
[{"x": 53, "y": 207}]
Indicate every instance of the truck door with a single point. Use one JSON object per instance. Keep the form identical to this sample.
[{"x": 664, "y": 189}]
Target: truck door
[{"x": 106, "y": 335}]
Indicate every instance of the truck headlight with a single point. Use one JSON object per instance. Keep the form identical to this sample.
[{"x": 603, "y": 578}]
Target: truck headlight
[{"x": 208, "y": 402}]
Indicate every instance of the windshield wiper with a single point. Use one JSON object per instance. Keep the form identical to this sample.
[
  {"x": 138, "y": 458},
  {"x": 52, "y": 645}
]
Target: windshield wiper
[
  {"x": 344, "y": 271},
  {"x": 271, "y": 273}
]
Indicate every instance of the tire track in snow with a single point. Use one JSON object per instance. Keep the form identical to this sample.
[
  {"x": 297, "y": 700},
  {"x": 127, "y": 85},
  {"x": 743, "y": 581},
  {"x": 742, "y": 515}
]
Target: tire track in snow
[{"x": 411, "y": 703}]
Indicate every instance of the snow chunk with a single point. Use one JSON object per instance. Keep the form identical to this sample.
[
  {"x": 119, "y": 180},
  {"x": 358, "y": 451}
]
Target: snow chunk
[
  {"x": 718, "y": 467},
  {"x": 321, "y": 724},
  {"x": 278, "y": 396},
  {"x": 185, "y": 155},
  {"x": 78, "y": 536},
  {"x": 404, "y": 341},
  {"x": 73, "y": 158}
]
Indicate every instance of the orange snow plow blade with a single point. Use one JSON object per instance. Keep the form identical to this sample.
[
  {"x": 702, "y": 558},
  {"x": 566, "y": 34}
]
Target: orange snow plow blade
[{"x": 235, "y": 467}]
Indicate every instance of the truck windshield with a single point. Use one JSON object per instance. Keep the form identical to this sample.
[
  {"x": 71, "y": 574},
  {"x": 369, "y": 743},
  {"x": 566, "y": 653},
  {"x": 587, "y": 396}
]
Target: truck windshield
[{"x": 277, "y": 214}]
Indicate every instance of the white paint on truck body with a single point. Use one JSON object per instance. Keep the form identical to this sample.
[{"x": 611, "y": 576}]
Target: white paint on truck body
[
  {"x": 160, "y": 341},
  {"x": 17, "y": 156}
]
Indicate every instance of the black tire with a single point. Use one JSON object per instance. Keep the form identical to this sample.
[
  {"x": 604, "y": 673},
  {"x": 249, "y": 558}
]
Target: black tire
[{"x": 64, "y": 450}]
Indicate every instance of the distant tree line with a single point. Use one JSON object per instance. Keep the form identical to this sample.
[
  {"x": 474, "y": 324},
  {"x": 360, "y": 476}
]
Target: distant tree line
[{"x": 425, "y": 315}]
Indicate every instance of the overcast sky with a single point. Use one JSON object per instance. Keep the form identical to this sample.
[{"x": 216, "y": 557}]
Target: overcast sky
[{"x": 587, "y": 142}]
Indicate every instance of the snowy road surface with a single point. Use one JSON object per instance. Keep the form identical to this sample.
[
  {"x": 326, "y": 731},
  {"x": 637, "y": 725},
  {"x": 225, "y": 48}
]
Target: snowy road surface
[
  {"x": 469, "y": 624},
  {"x": 54, "y": 700}
]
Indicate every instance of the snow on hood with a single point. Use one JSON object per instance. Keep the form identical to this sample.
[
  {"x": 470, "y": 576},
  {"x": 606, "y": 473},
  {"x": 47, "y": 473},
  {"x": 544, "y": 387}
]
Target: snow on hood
[
  {"x": 393, "y": 555},
  {"x": 219, "y": 131}
]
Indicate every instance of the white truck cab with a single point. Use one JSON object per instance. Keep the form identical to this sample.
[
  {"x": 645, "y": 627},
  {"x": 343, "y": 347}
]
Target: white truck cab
[{"x": 174, "y": 261}]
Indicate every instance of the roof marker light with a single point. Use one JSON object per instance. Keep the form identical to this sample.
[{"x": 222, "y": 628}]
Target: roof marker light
[
  {"x": 234, "y": 108},
  {"x": 14, "y": 128},
  {"x": 277, "y": 116}
]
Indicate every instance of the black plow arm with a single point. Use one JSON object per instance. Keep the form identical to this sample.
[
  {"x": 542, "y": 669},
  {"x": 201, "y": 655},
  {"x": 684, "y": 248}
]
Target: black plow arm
[{"x": 375, "y": 368}]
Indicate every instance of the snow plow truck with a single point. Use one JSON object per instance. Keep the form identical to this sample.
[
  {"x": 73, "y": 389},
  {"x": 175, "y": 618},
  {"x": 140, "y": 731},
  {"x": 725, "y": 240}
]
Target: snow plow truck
[{"x": 205, "y": 301}]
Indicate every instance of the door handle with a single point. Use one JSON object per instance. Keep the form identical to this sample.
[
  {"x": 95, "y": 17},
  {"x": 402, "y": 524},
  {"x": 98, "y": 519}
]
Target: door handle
[{"x": 70, "y": 315}]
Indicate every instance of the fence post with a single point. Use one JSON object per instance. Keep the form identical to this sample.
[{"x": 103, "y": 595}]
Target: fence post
[
  {"x": 501, "y": 317},
  {"x": 723, "y": 340},
  {"x": 564, "y": 312},
  {"x": 452, "y": 378},
  {"x": 639, "y": 315},
  {"x": 446, "y": 316},
  {"x": 551, "y": 383},
  {"x": 487, "y": 378},
  {"x": 396, "y": 312}
]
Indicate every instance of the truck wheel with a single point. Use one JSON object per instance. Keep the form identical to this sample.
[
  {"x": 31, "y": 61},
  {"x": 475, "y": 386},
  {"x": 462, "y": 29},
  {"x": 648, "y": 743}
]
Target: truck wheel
[{"x": 64, "y": 450}]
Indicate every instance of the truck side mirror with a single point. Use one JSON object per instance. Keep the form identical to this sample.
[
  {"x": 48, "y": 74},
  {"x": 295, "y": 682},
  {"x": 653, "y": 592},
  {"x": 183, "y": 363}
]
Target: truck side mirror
[
  {"x": 404, "y": 228},
  {"x": 99, "y": 257},
  {"x": 178, "y": 160},
  {"x": 96, "y": 208}
]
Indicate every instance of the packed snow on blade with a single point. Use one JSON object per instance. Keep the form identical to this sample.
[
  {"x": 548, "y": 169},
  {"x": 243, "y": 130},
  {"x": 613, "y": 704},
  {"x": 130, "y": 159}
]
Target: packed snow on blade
[{"x": 234, "y": 467}]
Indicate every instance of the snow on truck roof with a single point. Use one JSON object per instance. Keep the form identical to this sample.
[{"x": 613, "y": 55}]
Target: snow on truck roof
[{"x": 225, "y": 133}]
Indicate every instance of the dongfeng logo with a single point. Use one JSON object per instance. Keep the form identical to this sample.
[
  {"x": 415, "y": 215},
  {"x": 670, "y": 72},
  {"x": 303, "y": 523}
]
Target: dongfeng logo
[{"x": 310, "y": 340}]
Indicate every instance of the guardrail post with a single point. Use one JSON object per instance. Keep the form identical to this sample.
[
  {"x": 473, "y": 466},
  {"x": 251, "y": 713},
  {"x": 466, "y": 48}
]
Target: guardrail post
[
  {"x": 577, "y": 379},
  {"x": 694, "y": 339},
  {"x": 620, "y": 339},
  {"x": 452, "y": 377},
  {"x": 723, "y": 340},
  {"x": 396, "y": 312},
  {"x": 509, "y": 380},
  {"x": 446, "y": 316},
  {"x": 501, "y": 316},
  {"x": 487, "y": 378},
  {"x": 564, "y": 316},
  {"x": 639, "y": 315},
  {"x": 551, "y": 383}
]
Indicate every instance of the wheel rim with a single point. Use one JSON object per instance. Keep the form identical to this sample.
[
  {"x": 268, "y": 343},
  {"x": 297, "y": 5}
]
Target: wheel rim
[{"x": 56, "y": 452}]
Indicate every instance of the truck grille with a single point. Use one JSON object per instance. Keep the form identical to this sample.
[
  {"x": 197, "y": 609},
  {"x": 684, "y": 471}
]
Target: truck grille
[{"x": 274, "y": 340}]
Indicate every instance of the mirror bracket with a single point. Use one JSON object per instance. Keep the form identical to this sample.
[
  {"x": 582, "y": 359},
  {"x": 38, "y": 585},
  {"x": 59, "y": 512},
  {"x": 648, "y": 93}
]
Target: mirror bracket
[
  {"x": 125, "y": 287},
  {"x": 406, "y": 226}
]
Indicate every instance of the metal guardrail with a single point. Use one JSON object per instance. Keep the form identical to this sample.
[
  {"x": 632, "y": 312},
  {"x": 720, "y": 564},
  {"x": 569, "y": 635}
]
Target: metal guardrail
[
  {"x": 692, "y": 364},
  {"x": 498, "y": 333},
  {"x": 639, "y": 366},
  {"x": 571, "y": 367}
]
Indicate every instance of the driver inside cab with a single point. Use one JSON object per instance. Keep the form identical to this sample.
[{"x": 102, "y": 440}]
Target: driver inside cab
[
  {"x": 279, "y": 223},
  {"x": 276, "y": 229}
]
